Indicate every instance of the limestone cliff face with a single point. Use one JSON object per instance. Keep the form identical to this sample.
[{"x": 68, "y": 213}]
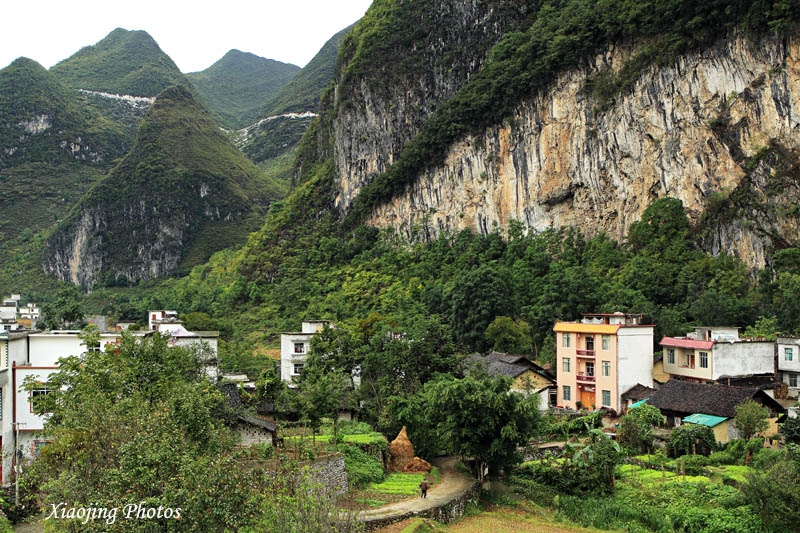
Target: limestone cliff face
[
  {"x": 694, "y": 130},
  {"x": 385, "y": 110}
]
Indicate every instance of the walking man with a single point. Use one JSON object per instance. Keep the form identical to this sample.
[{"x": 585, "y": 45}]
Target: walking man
[{"x": 424, "y": 488}]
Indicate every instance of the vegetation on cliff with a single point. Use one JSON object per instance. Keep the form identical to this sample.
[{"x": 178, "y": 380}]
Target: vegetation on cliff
[{"x": 557, "y": 36}]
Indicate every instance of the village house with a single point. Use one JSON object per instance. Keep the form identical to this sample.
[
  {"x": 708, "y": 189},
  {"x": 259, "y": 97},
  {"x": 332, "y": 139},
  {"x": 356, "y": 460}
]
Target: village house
[
  {"x": 34, "y": 355},
  {"x": 250, "y": 428},
  {"x": 295, "y": 347},
  {"x": 789, "y": 363},
  {"x": 716, "y": 354},
  {"x": 600, "y": 357},
  {"x": 712, "y": 405},
  {"x": 529, "y": 378}
]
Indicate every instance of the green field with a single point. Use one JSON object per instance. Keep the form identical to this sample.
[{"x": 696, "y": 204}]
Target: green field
[{"x": 398, "y": 484}]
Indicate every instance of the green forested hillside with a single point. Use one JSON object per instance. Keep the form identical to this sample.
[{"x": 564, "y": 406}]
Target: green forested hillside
[
  {"x": 303, "y": 92},
  {"x": 236, "y": 86},
  {"x": 53, "y": 147},
  {"x": 124, "y": 62},
  {"x": 181, "y": 193}
]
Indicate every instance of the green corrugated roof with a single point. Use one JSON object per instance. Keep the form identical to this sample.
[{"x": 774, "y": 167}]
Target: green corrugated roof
[
  {"x": 640, "y": 402},
  {"x": 705, "y": 420}
]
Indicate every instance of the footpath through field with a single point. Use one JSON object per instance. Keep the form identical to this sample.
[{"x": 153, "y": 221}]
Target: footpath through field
[{"x": 453, "y": 485}]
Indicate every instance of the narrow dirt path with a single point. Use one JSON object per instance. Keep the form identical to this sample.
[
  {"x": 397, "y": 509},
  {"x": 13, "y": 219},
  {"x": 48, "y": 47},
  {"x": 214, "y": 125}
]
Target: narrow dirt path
[{"x": 454, "y": 484}]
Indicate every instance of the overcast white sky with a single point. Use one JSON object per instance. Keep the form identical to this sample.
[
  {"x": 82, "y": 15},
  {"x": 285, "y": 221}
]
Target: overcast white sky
[{"x": 194, "y": 34}]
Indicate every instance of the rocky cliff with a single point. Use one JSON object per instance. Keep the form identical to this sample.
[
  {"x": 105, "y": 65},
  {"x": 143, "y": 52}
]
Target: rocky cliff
[
  {"x": 395, "y": 68},
  {"x": 183, "y": 190},
  {"x": 717, "y": 128}
]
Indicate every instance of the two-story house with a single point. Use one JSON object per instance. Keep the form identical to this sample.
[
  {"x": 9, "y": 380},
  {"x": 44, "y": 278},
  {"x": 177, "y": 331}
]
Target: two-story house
[
  {"x": 295, "y": 347},
  {"x": 710, "y": 354},
  {"x": 789, "y": 363},
  {"x": 600, "y": 357}
]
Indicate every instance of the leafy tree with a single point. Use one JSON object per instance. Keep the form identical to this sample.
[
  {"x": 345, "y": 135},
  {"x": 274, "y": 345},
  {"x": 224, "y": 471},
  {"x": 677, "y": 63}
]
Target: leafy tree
[
  {"x": 765, "y": 327},
  {"x": 691, "y": 439},
  {"x": 635, "y": 428},
  {"x": 601, "y": 456},
  {"x": 66, "y": 310},
  {"x": 505, "y": 334},
  {"x": 476, "y": 297},
  {"x": 137, "y": 423},
  {"x": 269, "y": 386},
  {"x": 775, "y": 494},
  {"x": 791, "y": 431},
  {"x": 751, "y": 419},
  {"x": 321, "y": 393},
  {"x": 472, "y": 417}
]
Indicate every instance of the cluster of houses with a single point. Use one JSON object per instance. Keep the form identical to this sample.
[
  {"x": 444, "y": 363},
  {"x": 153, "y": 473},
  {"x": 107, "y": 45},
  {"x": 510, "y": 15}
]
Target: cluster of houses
[
  {"x": 33, "y": 354},
  {"x": 14, "y": 315},
  {"x": 607, "y": 361}
]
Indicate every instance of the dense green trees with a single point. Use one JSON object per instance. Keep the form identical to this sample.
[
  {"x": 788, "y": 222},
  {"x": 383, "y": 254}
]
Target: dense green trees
[
  {"x": 139, "y": 424},
  {"x": 470, "y": 417}
]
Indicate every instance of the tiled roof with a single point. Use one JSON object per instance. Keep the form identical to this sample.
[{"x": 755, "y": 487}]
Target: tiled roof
[
  {"x": 718, "y": 400},
  {"x": 680, "y": 342},
  {"x": 638, "y": 392}
]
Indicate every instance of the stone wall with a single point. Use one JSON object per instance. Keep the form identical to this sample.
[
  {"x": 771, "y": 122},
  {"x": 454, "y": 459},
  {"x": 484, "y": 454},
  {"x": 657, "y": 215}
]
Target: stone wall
[{"x": 328, "y": 474}]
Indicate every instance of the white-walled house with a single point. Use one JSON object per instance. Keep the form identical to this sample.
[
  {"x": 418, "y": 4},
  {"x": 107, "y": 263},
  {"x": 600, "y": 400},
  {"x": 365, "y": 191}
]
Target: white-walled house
[
  {"x": 714, "y": 353},
  {"x": 789, "y": 363},
  {"x": 295, "y": 346},
  {"x": 13, "y": 351}
]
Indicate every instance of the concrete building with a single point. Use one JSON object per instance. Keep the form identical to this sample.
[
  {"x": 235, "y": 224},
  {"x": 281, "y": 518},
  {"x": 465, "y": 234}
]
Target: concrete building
[
  {"x": 789, "y": 363},
  {"x": 157, "y": 318},
  {"x": 716, "y": 353},
  {"x": 13, "y": 352},
  {"x": 295, "y": 347},
  {"x": 600, "y": 357}
]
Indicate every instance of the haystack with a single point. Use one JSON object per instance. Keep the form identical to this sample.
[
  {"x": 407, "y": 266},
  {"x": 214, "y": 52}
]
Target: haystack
[
  {"x": 401, "y": 452},
  {"x": 417, "y": 466}
]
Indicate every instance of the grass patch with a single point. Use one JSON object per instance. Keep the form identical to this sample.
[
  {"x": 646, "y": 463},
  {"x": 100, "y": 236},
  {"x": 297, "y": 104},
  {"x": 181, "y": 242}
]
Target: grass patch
[
  {"x": 398, "y": 484},
  {"x": 371, "y": 503}
]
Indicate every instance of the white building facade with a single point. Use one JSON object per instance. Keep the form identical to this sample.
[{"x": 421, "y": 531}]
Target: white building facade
[{"x": 789, "y": 363}]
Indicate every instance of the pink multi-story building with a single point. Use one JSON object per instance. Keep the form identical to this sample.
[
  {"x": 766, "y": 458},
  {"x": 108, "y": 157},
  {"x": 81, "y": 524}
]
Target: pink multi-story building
[{"x": 600, "y": 358}]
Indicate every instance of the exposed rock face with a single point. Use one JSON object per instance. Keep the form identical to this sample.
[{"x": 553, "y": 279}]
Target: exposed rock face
[
  {"x": 684, "y": 131},
  {"x": 401, "y": 452},
  {"x": 371, "y": 132}
]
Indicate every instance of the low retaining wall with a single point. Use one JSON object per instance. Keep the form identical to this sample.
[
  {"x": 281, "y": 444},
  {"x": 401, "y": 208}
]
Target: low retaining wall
[
  {"x": 444, "y": 512},
  {"x": 328, "y": 473}
]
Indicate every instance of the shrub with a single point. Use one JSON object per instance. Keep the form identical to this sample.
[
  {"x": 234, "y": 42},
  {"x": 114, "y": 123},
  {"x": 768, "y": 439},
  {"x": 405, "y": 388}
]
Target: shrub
[
  {"x": 693, "y": 464},
  {"x": 722, "y": 458},
  {"x": 765, "y": 458},
  {"x": 691, "y": 438}
]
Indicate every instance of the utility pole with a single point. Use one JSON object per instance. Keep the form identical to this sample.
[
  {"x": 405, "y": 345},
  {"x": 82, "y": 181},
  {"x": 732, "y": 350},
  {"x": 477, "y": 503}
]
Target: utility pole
[{"x": 17, "y": 469}]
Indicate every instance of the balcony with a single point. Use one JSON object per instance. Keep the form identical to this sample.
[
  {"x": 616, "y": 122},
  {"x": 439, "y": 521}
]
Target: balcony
[
  {"x": 588, "y": 354},
  {"x": 583, "y": 378}
]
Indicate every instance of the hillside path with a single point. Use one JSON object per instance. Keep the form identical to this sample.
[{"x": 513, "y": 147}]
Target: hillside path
[{"x": 454, "y": 484}]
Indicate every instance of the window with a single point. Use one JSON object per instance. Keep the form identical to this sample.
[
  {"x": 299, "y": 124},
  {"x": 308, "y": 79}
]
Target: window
[
  {"x": 298, "y": 368},
  {"x": 38, "y": 398},
  {"x": 37, "y": 446},
  {"x": 566, "y": 394},
  {"x": 606, "y": 368},
  {"x": 589, "y": 368},
  {"x": 606, "y": 342},
  {"x": 703, "y": 359},
  {"x": 565, "y": 338},
  {"x": 793, "y": 380},
  {"x": 299, "y": 347},
  {"x": 565, "y": 364},
  {"x": 787, "y": 354},
  {"x": 671, "y": 356},
  {"x": 607, "y": 398},
  {"x": 590, "y": 343}
]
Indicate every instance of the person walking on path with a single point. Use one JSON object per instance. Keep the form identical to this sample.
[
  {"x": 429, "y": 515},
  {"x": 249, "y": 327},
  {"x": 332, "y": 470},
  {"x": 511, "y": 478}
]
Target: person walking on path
[{"x": 424, "y": 488}]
